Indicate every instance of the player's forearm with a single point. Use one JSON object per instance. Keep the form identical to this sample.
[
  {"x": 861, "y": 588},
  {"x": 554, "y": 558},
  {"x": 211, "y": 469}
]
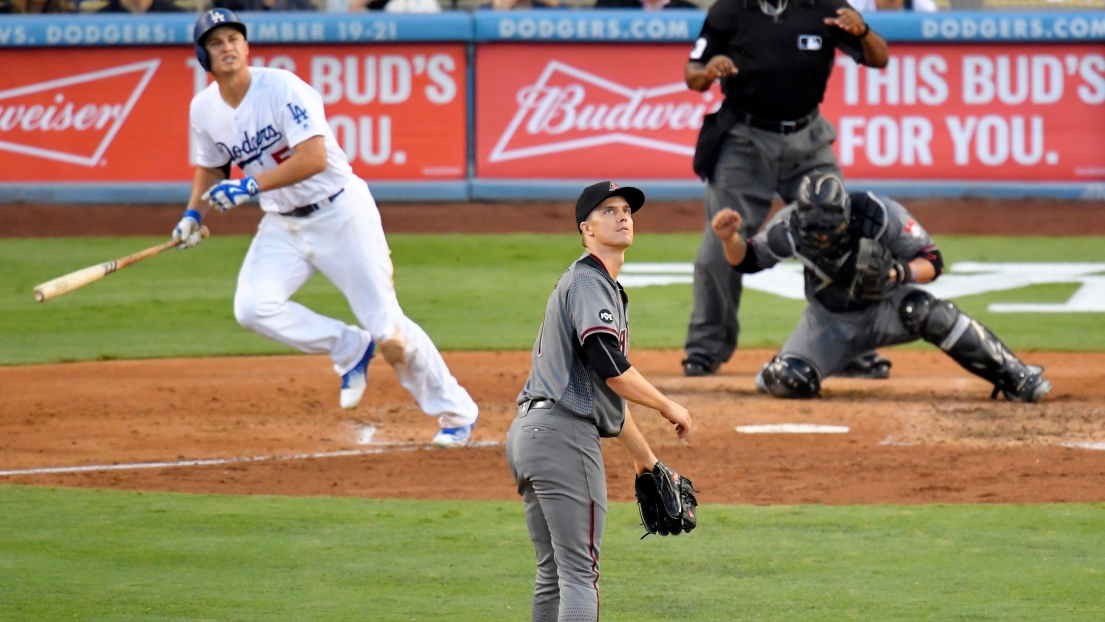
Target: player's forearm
[
  {"x": 635, "y": 443},
  {"x": 697, "y": 77},
  {"x": 204, "y": 178},
  {"x": 632, "y": 386},
  {"x": 876, "y": 53},
  {"x": 308, "y": 160},
  {"x": 735, "y": 250},
  {"x": 923, "y": 270}
]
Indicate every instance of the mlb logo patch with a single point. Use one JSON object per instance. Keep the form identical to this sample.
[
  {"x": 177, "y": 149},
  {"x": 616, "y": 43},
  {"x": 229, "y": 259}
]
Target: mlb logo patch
[{"x": 810, "y": 43}]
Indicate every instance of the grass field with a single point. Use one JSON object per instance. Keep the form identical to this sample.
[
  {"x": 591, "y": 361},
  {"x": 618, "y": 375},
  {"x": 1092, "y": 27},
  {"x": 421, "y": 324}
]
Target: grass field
[
  {"x": 106, "y": 555},
  {"x": 478, "y": 292}
]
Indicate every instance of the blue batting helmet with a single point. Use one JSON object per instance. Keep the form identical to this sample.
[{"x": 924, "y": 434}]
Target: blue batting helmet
[{"x": 206, "y": 23}]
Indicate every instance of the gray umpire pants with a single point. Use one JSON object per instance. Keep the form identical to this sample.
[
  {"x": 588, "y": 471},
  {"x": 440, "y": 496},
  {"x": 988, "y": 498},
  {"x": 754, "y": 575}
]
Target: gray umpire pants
[
  {"x": 556, "y": 459},
  {"x": 753, "y": 166},
  {"x": 828, "y": 340}
]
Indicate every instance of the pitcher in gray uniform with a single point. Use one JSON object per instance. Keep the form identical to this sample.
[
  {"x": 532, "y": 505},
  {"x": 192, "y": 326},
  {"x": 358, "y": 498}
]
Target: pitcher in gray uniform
[
  {"x": 827, "y": 230},
  {"x": 575, "y": 395}
]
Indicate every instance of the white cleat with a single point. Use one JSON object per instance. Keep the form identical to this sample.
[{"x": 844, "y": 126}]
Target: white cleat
[
  {"x": 454, "y": 437},
  {"x": 355, "y": 381}
]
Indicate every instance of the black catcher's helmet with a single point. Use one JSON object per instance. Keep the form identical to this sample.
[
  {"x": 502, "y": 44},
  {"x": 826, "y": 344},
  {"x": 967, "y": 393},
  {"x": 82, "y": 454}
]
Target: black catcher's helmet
[{"x": 823, "y": 211}]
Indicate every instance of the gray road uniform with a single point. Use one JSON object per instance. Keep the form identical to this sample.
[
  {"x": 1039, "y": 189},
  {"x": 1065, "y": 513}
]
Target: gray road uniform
[
  {"x": 835, "y": 328},
  {"x": 553, "y": 447}
]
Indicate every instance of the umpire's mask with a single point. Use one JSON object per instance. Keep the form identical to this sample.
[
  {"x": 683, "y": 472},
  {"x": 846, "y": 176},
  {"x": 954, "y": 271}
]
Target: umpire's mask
[{"x": 822, "y": 213}]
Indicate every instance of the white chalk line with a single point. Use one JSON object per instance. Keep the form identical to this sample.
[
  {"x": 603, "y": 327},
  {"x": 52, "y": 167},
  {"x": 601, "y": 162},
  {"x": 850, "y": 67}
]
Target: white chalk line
[
  {"x": 380, "y": 449},
  {"x": 792, "y": 428}
]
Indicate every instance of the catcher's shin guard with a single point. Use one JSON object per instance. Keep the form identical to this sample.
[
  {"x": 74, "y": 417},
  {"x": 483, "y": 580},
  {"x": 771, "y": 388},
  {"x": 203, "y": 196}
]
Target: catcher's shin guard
[
  {"x": 790, "y": 376},
  {"x": 973, "y": 346}
]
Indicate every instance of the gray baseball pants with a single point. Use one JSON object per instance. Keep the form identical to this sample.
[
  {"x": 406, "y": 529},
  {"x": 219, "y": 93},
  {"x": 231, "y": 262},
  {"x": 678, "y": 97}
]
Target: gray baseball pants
[
  {"x": 829, "y": 341},
  {"x": 556, "y": 459},
  {"x": 754, "y": 164}
]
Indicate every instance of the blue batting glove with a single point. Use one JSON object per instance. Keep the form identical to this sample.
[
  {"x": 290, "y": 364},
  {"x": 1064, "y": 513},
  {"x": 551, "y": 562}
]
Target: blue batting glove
[{"x": 231, "y": 193}]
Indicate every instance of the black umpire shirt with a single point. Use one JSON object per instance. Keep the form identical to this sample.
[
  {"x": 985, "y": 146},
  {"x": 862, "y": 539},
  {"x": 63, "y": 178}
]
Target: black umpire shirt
[{"x": 783, "y": 65}]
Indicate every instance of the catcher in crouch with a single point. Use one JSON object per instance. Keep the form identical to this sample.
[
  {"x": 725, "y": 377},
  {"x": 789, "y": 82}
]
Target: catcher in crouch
[{"x": 862, "y": 256}]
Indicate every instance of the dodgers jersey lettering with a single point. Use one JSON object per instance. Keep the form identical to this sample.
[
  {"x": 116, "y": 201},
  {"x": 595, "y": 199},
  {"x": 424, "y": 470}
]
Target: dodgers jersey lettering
[
  {"x": 278, "y": 112},
  {"x": 586, "y": 300}
]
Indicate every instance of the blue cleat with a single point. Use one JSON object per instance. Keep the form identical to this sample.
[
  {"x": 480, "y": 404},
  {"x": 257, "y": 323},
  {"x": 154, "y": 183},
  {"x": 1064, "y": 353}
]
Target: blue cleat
[
  {"x": 355, "y": 381},
  {"x": 454, "y": 437}
]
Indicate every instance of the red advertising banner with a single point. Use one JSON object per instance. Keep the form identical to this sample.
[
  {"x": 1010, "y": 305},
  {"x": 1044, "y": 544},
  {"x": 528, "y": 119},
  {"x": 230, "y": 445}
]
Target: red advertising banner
[
  {"x": 954, "y": 112},
  {"x": 121, "y": 115},
  {"x": 586, "y": 111},
  {"x": 973, "y": 112}
]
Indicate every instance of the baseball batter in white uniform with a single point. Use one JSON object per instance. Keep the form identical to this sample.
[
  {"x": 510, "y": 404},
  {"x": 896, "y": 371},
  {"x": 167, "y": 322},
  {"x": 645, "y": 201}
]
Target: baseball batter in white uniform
[{"x": 318, "y": 216}]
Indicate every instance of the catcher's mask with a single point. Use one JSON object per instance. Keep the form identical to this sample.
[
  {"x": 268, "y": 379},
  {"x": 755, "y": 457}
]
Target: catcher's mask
[{"x": 823, "y": 211}]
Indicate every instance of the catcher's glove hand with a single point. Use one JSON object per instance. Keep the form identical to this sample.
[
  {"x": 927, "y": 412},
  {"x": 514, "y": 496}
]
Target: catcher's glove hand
[
  {"x": 666, "y": 500},
  {"x": 878, "y": 272}
]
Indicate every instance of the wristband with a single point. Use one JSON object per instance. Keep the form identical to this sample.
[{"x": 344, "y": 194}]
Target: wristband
[
  {"x": 913, "y": 273},
  {"x": 866, "y": 31},
  {"x": 193, "y": 214}
]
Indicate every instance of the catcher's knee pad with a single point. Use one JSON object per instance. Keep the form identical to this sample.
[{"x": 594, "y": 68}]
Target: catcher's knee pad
[
  {"x": 792, "y": 377},
  {"x": 937, "y": 321}
]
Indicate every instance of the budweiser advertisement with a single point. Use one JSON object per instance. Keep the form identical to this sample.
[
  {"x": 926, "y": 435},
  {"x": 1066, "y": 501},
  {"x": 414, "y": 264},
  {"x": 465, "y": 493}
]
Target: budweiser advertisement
[
  {"x": 586, "y": 111},
  {"x": 973, "y": 112},
  {"x": 121, "y": 115}
]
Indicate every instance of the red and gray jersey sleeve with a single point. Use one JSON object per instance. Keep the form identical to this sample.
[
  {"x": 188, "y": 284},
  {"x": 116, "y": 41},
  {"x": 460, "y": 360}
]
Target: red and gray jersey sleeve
[
  {"x": 594, "y": 306},
  {"x": 904, "y": 236}
]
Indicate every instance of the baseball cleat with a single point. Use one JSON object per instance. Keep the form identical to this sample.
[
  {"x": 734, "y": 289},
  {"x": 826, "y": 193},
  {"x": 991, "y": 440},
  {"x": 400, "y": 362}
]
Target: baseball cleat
[
  {"x": 695, "y": 367},
  {"x": 454, "y": 437},
  {"x": 872, "y": 366},
  {"x": 355, "y": 381}
]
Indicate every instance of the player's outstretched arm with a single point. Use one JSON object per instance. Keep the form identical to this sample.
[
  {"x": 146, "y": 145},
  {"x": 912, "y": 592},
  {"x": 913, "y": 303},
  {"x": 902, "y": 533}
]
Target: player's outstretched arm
[
  {"x": 727, "y": 225},
  {"x": 634, "y": 442},
  {"x": 632, "y": 386}
]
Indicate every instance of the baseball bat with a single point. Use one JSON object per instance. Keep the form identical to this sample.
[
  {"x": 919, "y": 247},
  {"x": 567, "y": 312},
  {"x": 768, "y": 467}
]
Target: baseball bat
[{"x": 80, "y": 278}]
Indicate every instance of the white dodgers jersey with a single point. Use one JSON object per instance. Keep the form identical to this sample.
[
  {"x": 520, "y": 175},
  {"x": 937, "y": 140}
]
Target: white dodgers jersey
[{"x": 278, "y": 111}]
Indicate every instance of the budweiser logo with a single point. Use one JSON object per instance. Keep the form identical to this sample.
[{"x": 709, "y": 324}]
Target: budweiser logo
[
  {"x": 72, "y": 119},
  {"x": 569, "y": 109}
]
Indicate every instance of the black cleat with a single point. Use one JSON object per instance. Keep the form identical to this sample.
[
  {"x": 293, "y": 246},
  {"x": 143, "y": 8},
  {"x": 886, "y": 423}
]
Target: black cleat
[
  {"x": 870, "y": 366},
  {"x": 696, "y": 367}
]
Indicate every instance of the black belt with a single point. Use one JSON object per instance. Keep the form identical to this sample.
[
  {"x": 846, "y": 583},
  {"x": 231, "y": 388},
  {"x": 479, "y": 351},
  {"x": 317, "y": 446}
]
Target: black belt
[
  {"x": 779, "y": 127},
  {"x": 307, "y": 210}
]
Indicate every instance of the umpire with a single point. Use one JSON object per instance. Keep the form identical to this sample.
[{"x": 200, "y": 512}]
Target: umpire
[
  {"x": 576, "y": 394},
  {"x": 773, "y": 58}
]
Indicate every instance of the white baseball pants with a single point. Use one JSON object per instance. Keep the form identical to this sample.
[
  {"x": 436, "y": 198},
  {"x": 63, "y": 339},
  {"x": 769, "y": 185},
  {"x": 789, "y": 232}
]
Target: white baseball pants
[{"x": 343, "y": 240}]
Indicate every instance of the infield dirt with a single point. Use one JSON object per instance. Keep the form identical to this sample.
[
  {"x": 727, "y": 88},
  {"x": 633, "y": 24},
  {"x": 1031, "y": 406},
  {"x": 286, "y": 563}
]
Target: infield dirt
[{"x": 929, "y": 434}]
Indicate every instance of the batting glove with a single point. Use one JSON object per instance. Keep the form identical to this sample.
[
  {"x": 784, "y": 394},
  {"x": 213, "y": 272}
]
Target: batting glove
[
  {"x": 231, "y": 193},
  {"x": 188, "y": 230}
]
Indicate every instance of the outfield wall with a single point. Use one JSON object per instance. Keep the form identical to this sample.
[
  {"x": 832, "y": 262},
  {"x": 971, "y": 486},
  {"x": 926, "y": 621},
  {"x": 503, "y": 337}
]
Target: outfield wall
[{"x": 529, "y": 104}]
